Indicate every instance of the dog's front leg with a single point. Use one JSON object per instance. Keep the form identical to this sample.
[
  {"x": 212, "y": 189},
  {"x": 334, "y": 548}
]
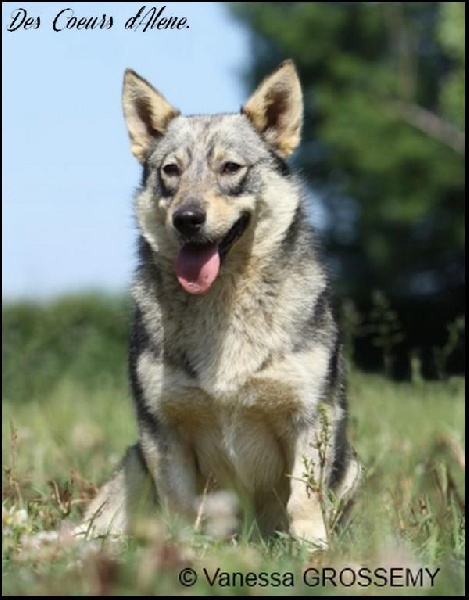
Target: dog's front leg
[
  {"x": 171, "y": 462},
  {"x": 129, "y": 493},
  {"x": 155, "y": 473},
  {"x": 307, "y": 497}
]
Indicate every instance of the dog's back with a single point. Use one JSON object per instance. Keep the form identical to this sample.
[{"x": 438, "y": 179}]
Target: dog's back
[{"x": 235, "y": 361}]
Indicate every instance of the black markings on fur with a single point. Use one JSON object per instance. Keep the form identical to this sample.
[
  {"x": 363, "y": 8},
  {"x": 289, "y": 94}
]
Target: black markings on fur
[
  {"x": 336, "y": 396},
  {"x": 140, "y": 456},
  {"x": 181, "y": 362},
  {"x": 142, "y": 339},
  {"x": 290, "y": 239},
  {"x": 320, "y": 312},
  {"x": 333, "y": 368},
  {"x": 148, "y": 262},
  {"x": 280, "y": 165},
  {"x": 317, "y": 326},
  {"x": 145, "y": 174},
  {"x": 321, "y": 325},
  {"x": 210, "y": 151},
  {"x": 140, "y": 342},
  {"x": 164, "y": 190},
  {"x": 237, "y": 189},
  {"x": 146, "y": 167},
  {"x": 161, "y": 188},
  {"x": 147, "y": 418},
  {"x": 265, "y": 363},
  {"x": 248, "y": 184},
  {"x": 341, "y": 454}
]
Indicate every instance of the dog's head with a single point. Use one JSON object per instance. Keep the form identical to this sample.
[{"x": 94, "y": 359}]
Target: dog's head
[{"x": 205, "y": 177}]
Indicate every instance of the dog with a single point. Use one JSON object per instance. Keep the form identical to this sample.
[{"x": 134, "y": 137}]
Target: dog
[{"x": 236, "y": 363}]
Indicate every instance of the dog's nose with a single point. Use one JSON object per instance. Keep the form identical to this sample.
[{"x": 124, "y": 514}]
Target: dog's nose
[{"x": 189, "y": 220}]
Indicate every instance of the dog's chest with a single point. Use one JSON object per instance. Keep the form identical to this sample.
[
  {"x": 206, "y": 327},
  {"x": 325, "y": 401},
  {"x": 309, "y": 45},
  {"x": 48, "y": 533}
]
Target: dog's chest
[
  {"x": 238, "y": 448},
  {"x": 244, "y": 439},
  {"x": 225, "y": 344}
]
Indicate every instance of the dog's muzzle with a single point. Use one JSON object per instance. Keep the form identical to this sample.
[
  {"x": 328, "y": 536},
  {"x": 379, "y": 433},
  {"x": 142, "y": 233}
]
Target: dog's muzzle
[
  {"x": 189, "y": 220},
  {"x": 198, "y": 264}
]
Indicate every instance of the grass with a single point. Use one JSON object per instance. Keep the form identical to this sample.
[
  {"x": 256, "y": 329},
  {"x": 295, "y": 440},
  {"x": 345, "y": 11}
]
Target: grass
[{"x": 67, "y": 418}]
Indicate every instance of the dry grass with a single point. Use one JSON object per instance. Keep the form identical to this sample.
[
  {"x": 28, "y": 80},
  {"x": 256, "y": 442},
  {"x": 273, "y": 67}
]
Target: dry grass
[{"x": 64, "y": 432}]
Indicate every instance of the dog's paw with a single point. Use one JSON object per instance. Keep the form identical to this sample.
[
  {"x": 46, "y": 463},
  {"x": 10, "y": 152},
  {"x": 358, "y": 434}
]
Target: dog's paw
[
  {"x": 309, "y": 532},
  {"x": 217, "y": 514}
]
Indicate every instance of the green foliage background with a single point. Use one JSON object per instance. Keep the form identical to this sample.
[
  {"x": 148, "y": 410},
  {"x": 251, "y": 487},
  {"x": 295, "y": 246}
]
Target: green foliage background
[{"x": 383, "y": 134}]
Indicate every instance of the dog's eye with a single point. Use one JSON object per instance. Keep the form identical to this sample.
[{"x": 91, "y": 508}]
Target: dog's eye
[
  {"x": 171, "y": 170},
  {"x": 230, "y": 168}
]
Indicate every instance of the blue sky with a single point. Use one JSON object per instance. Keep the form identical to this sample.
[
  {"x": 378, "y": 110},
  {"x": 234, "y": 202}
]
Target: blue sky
[{"x": 68, "y": 175}]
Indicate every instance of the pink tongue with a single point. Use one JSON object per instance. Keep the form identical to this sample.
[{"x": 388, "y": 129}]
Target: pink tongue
[{"x": 197, "y": 267}]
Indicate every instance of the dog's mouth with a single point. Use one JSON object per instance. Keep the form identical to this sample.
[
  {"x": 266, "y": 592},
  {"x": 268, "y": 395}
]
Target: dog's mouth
[{"x": 198, "y": 265}]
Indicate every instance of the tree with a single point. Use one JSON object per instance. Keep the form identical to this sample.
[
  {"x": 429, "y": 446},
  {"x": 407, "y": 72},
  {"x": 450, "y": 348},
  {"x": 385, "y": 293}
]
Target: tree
[
  {"x": 452, "y": 33},
  {"x": 383, "y": 141}
]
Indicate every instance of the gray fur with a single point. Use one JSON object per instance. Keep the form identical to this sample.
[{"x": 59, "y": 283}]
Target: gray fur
[{"x": 227, "y": 385}]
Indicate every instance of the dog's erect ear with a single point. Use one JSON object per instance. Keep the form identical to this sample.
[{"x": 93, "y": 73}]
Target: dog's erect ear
[
  {"x": 147, "y": 113},
  {"x": 276, "y": 109}
]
